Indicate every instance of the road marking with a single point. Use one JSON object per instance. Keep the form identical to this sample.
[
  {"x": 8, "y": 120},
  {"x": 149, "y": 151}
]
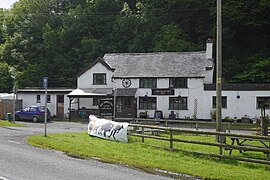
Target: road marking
[
  {"x": 14, "y": 143},
  {"x": 2, "y": 178}
]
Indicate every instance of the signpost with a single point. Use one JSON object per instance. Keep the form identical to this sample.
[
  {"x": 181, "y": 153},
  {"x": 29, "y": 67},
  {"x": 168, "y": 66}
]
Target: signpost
[{"x": 45, "y": 86}]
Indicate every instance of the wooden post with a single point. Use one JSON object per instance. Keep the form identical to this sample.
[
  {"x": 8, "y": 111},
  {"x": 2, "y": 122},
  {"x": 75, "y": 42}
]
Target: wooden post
[
  {"x": 171, "y": 138},
  {"x": 218, "y": 70},
  {"x": 142, "y": 134}
]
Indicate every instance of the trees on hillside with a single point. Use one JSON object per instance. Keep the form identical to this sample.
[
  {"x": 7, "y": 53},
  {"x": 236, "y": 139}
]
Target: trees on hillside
[{"x": 58, "y": 38}]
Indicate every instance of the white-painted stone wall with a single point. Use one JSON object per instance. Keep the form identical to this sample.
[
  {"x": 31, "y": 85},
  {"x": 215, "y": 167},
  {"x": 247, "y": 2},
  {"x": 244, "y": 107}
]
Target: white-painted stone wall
[
  {"x": 238, "y": 108},
  {"x": 86, "y": 79},
  {"x": 29, "y": 99}
]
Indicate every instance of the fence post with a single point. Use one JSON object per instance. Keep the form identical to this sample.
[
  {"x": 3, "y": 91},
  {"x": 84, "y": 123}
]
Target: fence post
[
  {"x": 171, "y": 139},
  {"x": 229, "y": 127},
  {"x": 142, "y": 134}
]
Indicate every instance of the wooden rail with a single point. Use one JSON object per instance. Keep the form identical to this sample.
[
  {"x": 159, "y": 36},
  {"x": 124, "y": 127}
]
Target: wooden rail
[{"x": 172, "y": 140}]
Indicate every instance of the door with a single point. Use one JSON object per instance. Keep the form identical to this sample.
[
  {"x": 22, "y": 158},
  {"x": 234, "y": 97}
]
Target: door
[
  {"x": 60, "y": 106},
  {"x": 126, "y": 107}
]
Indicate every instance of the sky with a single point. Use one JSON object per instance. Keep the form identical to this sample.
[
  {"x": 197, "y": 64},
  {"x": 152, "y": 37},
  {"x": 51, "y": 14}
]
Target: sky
[{"x": 6, "y": 3}]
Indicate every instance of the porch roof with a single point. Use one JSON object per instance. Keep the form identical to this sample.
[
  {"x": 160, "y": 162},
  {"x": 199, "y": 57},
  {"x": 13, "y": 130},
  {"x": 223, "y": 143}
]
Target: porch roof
[
  {"x": 127, "y": 92},
  {"x": 80, "y": 93}
]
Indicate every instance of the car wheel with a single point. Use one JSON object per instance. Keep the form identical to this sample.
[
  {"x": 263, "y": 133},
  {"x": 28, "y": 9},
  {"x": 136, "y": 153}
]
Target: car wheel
[{"x": 35, "y": 119}]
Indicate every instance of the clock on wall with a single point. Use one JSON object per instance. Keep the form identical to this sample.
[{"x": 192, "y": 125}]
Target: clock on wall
[{"x": 126, "y": 82}]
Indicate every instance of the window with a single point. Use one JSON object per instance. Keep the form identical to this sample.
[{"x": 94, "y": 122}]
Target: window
[
  {"x": 38, "y": 98},
  {"x": 147, "y": 103},
  {"x": 148, "y": 83},
  {"x": 99, "y": 79},
  {"x": 48, "y": 98},
  {"x": 178, "y": 103},
  {"x": 223, "y": 101},
  {"x": 178, "y": 83},
  {"x": 95, "y": 101},
  {"x": 263, "y": 101}
]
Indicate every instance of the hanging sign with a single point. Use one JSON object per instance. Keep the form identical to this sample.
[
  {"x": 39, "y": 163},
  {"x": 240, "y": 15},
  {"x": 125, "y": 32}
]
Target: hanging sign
[
  {"x": 106, "y": 129},
  {"x": 167, "y": 91}
]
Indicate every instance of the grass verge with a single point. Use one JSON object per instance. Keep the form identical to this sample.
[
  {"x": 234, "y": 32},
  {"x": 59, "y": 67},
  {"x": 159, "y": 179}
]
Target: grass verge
[
  {"x": 149, "y": 158},
  {"x": 7, "y": 123}
]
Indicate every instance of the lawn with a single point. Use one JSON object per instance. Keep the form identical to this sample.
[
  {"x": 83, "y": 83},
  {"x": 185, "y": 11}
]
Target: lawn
[
  {"x": 7, "y": 123},
  {"x": 150, "y": 158}
]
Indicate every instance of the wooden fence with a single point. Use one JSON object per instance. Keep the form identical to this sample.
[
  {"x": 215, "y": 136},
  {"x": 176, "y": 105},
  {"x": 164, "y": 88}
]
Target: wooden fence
[{"x": 153, "y": 132}]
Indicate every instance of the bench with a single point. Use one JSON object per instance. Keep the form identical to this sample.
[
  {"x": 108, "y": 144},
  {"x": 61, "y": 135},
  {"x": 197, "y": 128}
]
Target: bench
[{"x": 242, "y": 142}]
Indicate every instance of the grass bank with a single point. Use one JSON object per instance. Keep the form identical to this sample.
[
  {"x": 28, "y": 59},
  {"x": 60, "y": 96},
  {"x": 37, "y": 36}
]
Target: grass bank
[
  {"x": 7, "y": 123},
  {"x": 149, "y": 158}
]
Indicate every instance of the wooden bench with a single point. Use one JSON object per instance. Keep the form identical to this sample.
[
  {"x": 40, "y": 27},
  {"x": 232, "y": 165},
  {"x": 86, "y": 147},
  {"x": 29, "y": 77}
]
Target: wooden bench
[{"x": 242, "y": 142}]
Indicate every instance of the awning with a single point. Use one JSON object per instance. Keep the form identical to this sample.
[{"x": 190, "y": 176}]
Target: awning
[
  {"x": 126, "y": 92},
  {"x": 87, "y": 93}
]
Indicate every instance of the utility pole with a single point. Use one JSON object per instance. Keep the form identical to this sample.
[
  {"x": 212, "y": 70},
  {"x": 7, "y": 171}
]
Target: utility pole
[{"x": 219, "y": 70}]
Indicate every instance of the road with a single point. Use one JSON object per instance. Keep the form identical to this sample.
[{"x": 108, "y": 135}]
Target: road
[{"x": 20, "y": 161}]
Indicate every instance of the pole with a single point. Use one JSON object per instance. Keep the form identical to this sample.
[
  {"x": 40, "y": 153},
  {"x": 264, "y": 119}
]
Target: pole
[
  {"x": 45, "y": 85},
  {"x": 14, "y": 103},
  {"x": 114, "y": 96},
  {"x": 45, "y": 112},
  {"x": 219, "y": 70}
]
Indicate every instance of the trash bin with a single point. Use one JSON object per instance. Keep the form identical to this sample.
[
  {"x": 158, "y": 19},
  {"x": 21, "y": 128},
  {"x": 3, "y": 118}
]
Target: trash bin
[{"x": 9, "y": 117}]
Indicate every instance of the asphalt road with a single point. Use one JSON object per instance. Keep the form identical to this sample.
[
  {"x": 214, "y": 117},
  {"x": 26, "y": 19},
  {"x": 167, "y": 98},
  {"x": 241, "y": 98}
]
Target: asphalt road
[{"x": 20, "y": 161}]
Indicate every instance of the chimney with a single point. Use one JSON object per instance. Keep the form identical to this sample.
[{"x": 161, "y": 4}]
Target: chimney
[{"x": 209, "y": 48}]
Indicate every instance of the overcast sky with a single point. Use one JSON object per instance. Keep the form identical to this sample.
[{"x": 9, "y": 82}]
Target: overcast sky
[{"x": 6, "y": 3}]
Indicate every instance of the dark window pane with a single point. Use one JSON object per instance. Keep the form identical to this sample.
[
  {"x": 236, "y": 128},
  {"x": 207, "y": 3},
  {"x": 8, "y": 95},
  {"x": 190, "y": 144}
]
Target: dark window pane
[
  {"x": 223, "y": 101},
  {"x": 178, "y": 83},
  {"x": 149, "y": 103},
  {"x": 178, "y": 103},
  {"x": 263, "y": 101},
  {"x": 99, "y": 79},
  {"x": 148, "y": 83}
]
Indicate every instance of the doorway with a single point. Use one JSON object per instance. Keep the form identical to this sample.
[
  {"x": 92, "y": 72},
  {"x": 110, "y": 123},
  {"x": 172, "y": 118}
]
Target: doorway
[
  {"x": 60, "y": 106},
  {"x": 126, "y": 107}
]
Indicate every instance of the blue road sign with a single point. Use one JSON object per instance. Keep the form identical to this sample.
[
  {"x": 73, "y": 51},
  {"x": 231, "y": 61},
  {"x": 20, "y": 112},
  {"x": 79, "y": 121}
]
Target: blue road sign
[{"x": 45, "y": 82}]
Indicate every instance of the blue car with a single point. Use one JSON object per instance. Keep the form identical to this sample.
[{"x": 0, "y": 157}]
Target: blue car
[{"x": 34, "y": 113}]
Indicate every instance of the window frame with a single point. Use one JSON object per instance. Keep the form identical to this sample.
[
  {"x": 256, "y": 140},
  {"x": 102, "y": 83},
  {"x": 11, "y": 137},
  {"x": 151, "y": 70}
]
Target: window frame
[
  {"x": 99, "y": 76},
  {"x": 38, "y": 98},
  {"x": 95, "y": 101},
  {"x": 48, "y": 98},
  {"x": 150, "y": 103},
  {"x": 224, "y": 102},
  {"x": 262, "y": 98},
  {"x": 178, "y": 82},
  {"x": 148, "y": 83},
  {"x": 174, "y": 103}
]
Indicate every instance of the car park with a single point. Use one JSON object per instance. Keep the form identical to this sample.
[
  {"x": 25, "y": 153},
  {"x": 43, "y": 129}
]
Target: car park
[{"x": 34, "y": 113}]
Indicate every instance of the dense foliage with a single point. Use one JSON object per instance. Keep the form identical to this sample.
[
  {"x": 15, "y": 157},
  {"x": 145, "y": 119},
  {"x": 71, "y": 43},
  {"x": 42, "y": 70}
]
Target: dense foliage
[{"x": 58, "y": 38}]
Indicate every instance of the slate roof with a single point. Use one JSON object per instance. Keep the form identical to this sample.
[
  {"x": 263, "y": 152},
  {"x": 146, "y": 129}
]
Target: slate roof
[{"x": 160, "y": 64}]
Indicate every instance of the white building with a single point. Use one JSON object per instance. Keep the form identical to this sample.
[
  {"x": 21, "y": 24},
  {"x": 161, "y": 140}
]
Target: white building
[
  {"x": 151, "y": 84},
  {"x": 57, "y": 101}
]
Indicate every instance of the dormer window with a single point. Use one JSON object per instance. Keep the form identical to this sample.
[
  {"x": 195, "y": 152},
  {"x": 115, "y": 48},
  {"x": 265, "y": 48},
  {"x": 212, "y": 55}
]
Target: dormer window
[
  {"x": 178, "y": 83},
  {"x": 99, "y": 78}
]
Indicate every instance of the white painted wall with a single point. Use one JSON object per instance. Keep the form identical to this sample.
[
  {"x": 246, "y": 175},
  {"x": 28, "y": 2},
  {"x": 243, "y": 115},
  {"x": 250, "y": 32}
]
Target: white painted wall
[
  {"x": 246, "y": 105},
  {"x": 30, "y": 99},
  {"x": 86, "y": 79}
]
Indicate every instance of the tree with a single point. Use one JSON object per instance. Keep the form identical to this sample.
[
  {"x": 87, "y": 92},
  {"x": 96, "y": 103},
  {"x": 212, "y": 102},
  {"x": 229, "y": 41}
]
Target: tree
[{"x": 6, "y": 82}]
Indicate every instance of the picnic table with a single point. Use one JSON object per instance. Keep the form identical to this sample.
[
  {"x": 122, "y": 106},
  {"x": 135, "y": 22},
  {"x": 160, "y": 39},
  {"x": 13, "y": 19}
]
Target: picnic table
[{"x": 243, "y": 141}]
